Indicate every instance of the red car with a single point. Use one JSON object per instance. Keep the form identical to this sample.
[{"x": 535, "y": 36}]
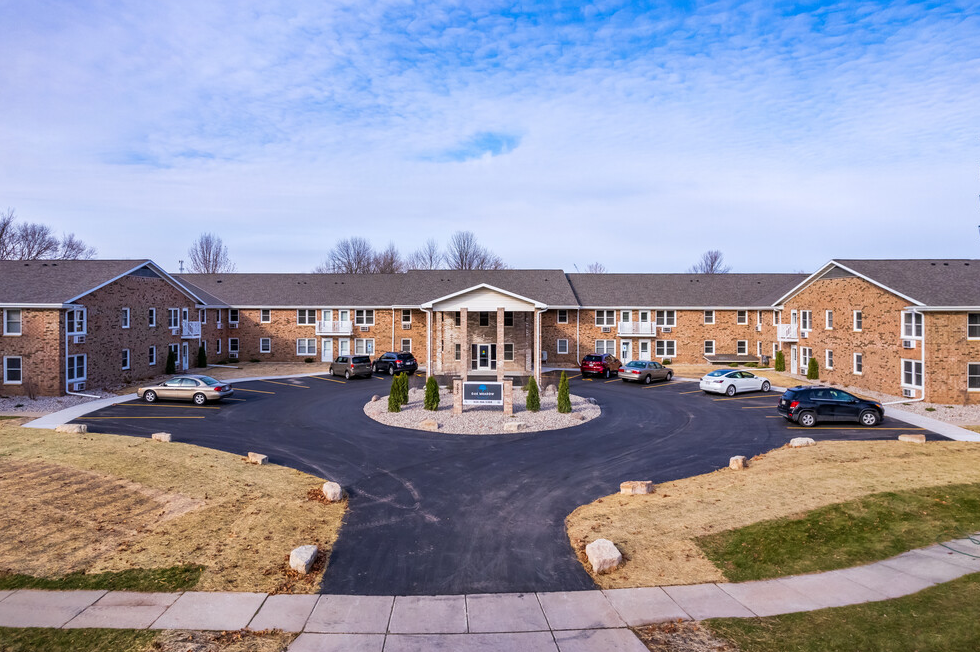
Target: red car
[{"x": 600, "y": 364}]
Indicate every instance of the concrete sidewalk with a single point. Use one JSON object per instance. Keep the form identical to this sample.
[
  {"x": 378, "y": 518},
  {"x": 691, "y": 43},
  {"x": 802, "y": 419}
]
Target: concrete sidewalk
[{"x": 558, "y": 622}]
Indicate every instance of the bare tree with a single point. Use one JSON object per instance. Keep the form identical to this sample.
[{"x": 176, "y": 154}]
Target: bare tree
[
  {"x": 71, "y": 248},
  {"x": 711, "y": 262},
  {"x": 209, "y": 255},
  {"x": 388, "y": 261},
  {"x": 464, "y": 252},
  {"x": 429, "y": 256},
  {"x": 595, "y": 268},
  {"x": 349, "y": 256},
  {"x": 8, "y": 234},
  {"x": 35, "y": 241}
]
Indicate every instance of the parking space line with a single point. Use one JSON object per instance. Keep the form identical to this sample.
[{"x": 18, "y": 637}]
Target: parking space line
[
  {"x": 846, "y": 428},
  {"x": 377, "y": 377},
  {"x": 777, "y": 416},
  {"x": 759, "y": 407},
  {"x": 744, "y": 398},
  {"x": 611, "y": 381},
  {"x": 694, "y": 392},
  {"x": 181, "y": 407},
  {"x": 330, "y": 380},
  {"x": 274, "y": 382},
  {"x": 88, "y": 418},
  {"x": 257, "y": 391},
  {"x": 234, "y": 399},
  {"x": 572, "y": 377},
  {"x": 659, "y": 386}
]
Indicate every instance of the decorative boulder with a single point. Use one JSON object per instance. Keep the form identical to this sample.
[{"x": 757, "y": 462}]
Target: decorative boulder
[
  {"x": 332, "y": 492},
  {"x": 375, "y": 398},
  {"x": 301, "y": 559},
  {"x": 72, "y": 428},
  {"x": 592, "y": 401},
  {"x": 914, "y": 439},
  {"x": 429, "y": 424},
  {"x": 513, "y": 426},
  {"x": 161, "y": 436},
  {"x": 603, "y": 556},
  {"x": 636, "y": 487},
  {"x": 258, "y": 458},
  {"x": 801, "y": 442},
  {"x": 551, "y": 390},
  {"x": 578, "y": 416},
  {"x": 737, "y": 463}
]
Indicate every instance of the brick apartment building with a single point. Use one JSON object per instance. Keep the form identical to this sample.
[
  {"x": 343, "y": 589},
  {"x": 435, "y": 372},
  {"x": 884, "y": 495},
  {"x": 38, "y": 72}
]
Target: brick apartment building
[{"x": 906, "y": 327}]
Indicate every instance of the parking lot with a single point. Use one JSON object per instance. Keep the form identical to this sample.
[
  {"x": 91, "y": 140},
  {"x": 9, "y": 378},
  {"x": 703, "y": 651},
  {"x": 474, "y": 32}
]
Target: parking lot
[{"x": 433, "y": 513}]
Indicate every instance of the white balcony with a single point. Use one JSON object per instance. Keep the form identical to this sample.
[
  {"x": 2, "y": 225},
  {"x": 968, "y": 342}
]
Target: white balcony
[
  {"x": 631, "y": 328},
  {"x": 190, "y": 330},
  {"x": 334, "y": 328},
  {"x": 786, "y": 333}
]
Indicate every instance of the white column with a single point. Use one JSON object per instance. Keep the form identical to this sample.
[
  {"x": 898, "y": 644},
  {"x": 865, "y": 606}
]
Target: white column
[
  {"x": 537, "y": 346},
  {"x": 428, "y": 342}
]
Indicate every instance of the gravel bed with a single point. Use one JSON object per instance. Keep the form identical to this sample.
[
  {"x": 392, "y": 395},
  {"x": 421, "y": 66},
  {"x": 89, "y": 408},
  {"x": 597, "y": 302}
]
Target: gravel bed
[
  {"x": 23, "y": 406},
  {"x": 481, "y": 420}
]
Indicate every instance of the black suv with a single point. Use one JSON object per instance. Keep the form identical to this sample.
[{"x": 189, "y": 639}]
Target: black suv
[
  {"x": 393, "y": 363},
  {"x": 809, "y": 405}
]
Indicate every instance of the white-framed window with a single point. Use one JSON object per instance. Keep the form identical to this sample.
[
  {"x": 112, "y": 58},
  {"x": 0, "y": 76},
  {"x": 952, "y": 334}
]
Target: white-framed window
[
  {"x": 151, "y": 317},
  {"x": 709, "y": 317},
  {"x": 561, "y": 347},
  {"x": 758, "y": 349},
  {"x": 484, "y": 318},
  {"x": 742, "y": 317},
  {"x": 13, "y": 370},
  {"x": 858, "y": 320},
  {"x": 265, "y": 315},
  {"x": 363, "y": 318},
  {"x": 343, "y": 345},
  {"x": 233, "y": 347},
  {"x": 125, "y": 358},
  {"x": 626, "y": 316},
  {"x": 775, "y": 317},
  {"x": 265, "y": 345},
  {"x": 233, "y": 315},
  {"x": 667, "y": 318},
  {"x": 829, "y": 320},
  {"x": 758, "y": 317},
  {"x": 828, "y": 361},
  {"x": 406, "y": 345},
  {"x": 709, "y": 347},
  {"x": 562, "y": 317},
  {"x": 77, "y": 367},
  {"x": 406, "y": 316},
  {"x": 508, "y": 319},
  {"x": 217, "y": 347},
  {"x": 805, "y": 354},
  {"x": 775, "y": 349},
  {"x": 124, "y": 322},
  {"x": 912, "y": 373},
  {"x": 741, "y": 347},
  {"x": 458, "y": 351},
  {"x": 363, "y": 346},
  {"x": 13, "y": 323},
  {"x": 306, "y": 346},
  {"x": 605, "y": 317},
  {"x": 666, "y": 348},
  {"x": 605, "y": 346},
  {"x": 173, "y": 318},
  {"x": 912, "y": 325},
  {"x": 973, "y": 326},
  {"x": 305, "y": 317},
  {"x": 973, "y": 377},
  {"x": 508, "y": 351},
  {"x": 175, "y": 348},
  {"x": 806, "y": 320},
  {"x": 151, "y": 357},
  {"x": 858, "y": 364},
  {"x": 202, "y": 315},
  {"x": 77, "y": 324},
  {"x": 457, "y": 319}
]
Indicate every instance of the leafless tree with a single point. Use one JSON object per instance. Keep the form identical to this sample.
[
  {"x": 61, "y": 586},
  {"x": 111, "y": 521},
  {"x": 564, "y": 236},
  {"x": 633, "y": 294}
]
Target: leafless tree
[
  {"x": 388, "y": 261},
  {"x": 595, "y": 268},
  {"x": 8, "y": 234},
  {"x": 711, "y": 262},
  {"x": 464, "y": 252},
  {"x": 35, "y": 241},
  {"x": 429, "y": 256},
  {"x": 71, "y": 248},
  {"x": 209, "y": 255},
  {"x": 349, "y": 256}
]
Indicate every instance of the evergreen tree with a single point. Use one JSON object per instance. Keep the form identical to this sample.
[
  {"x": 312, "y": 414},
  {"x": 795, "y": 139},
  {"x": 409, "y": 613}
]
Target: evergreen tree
[
  {"x": 812, "y": 372},
  {"x": 171, "y": 362},
  {"x": 394, "y": 402},
  {"x": 564, "y": 400},
  {"x": 202, "y": 357},
  {"x": 403, "y": 389},
  {"x": 780, "y": 362},
  {"x": 431, "y": 394},
  {"x": 533, "y": 398}
]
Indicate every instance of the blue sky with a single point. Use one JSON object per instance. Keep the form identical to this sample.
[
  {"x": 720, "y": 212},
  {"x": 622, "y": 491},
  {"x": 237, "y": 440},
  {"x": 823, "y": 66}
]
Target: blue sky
[{"x": 634, "y": 134}]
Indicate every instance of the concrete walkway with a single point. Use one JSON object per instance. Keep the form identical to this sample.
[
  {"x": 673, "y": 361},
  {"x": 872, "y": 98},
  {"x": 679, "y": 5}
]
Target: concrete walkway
[{"x": 557, "y": 622}]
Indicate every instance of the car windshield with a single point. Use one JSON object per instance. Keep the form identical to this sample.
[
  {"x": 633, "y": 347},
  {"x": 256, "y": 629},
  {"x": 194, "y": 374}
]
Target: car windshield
[
  {"x": 719, "y": 372},
  {"x": 593, "y": 358},
  {"x": 637, "y": 364},
  {"x": 405, "y": 356},
  {"x": 208, "y": 380},
  {"x": 361, "y": 359}
]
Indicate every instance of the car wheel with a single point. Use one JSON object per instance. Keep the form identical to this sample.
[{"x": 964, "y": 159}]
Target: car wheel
[
  {"x": 669, "y": 376},
  {"x": 731, "y": 390},
  {"x": 648, "y": 379},
  {"x": 607, "y": 373},
  {"x": 807, "y": 419},
  {"x": 869, "y": 418},
  {"x": 347, "y": 374},
  {"x": 391, "y": 370},
  {"x": 149, "y": 396},
  {"x": 766, "y": 386},
  {"x": 200, "y": 399}
]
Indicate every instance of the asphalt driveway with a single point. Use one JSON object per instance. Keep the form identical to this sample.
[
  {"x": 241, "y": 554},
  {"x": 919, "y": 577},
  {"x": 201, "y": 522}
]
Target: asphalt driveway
[{"x": 448, "y": 514}]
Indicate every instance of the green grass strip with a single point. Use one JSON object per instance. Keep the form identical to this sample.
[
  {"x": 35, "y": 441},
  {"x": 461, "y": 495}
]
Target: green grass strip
[
  {"x": 944, "y": 618},
  {"x": 38, "y": 639},
  {"x": 175, "y": 578},
  {"x": 847, "y": 534}
]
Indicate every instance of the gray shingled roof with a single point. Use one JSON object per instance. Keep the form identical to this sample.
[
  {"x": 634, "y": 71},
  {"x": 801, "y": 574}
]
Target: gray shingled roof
[
  {"x": 56, "y": 281},
  {"x": 549, "y": 286},
  {"x": 933, "y": 282},
  {"x": 682, "y": 290}
]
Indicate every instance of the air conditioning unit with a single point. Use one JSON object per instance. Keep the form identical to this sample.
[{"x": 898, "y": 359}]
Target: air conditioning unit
[
  {"x": 77, "y": 387},
  {"x": 174, "y": 331},
  {"x": 804, "y": 334},
  {"x": 908, "y": 344},
  {"x": 78, "y": 339},
  {"x": 758, "y": 327},
  {"x": 908, "y": 393},
  {"x": 607, "y": 329},
  {"x": 544, "y": 356},
  {"x": 365, "y": 329},
  {"x": 233, "y": 354},
  {"x": 233, "y": 324},
  {"x": 220, "y": 325},
  {"x": 666, "y": 329},
  {"x": 406, "y": 325}
]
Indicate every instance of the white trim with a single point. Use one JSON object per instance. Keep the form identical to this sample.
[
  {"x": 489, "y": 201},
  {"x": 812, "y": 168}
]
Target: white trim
[
  {"x": 704, "y": 317},
  {"x": 828, "y": 320},
  {"x": 656, "y": 317},
  {"x": 127, "y": 318},
  {"x": 742, "y": 323},
  {"x": 704, "y": 348},
  {"x": 267, "y": 341},
  {"x": 483, "y": 286},
  {"x": 151, "y": 323},
  {"x": 915, "y": 313},
  {"x": 828, "y": 359},
  {"x": 365, "y": 316},
  {"x": 968, "y": 326},
  {"x": 968, "y": 365},
  {"x": 156, "y": 268},
  {"x": 306, "y": 316},
  {"x": 265, "y": 321},
  {"x": 3, "y": 315},
  {"x": 365, "y": 351},
  {"x": 6, "y": 379},
  {"x": 665, "y": 354},
  {"x": 402, "y": 345},
  {"x": 71, "y": 367},
  {"x": 151, "y": 356},
  {"x": 826, "y": 268},
  {"x": 902, "y": 376},
  {"x": 558, "y": 319},
  {"x": 854, "y": 363},
  {"x": 128, "y": 359},
  {"x": 306, "y": 341},
  {"x": 34, "y": 305},
  {"x": 854, "y": 320},
  {"x": 739, "y": 344},
  {"x": 605, "y": 318},
  {"x": 558, "y": 350}
]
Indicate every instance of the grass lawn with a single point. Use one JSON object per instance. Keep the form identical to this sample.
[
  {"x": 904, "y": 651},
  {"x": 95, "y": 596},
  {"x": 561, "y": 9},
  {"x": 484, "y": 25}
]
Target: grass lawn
[
  {"x": 847, "y": 534},
  {"x": 973, "y": 428},
  {"x": 34, "y": 639},
  {"x": 177, "y": 578},
  {"x": 103, "y": 503}
]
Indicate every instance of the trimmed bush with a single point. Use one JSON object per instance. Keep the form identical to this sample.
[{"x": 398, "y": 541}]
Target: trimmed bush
[
  {"x": 533, "y": 398},
  {"x": 308, "y": 360},
  {"x": 812, "y": 372},
  {"x": 394, "y": 402},
  {"x": 403, "y": 389},
  {"x": 431, "y": 394},
  {"x": 665, "y": 361},
  {"x": 202, "y": 357},
  {"x": 564, "y": 400},
  {"x": 779, "y": 364},
  {"x": 171, "y": 367}
]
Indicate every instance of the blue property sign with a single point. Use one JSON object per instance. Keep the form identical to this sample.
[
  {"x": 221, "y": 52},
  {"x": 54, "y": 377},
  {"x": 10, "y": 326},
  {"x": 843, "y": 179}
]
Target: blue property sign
[{"x": 483, "y": 393}]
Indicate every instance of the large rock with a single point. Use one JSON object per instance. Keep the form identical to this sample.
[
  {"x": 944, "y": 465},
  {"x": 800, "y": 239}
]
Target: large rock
[
  {"x": 550, "y": 390},
  {"x": 72, "y": 428},
  {"x": 301, "y": 559},
  {"x": 375, "y": 398},
  {"x": 603, "y": 556},
  {"x": 429, "y": 424},
  {"x": 514, "y": 426},
  {"x": 914, "y": 439},
  {"x": 161, "y": 436},
  {"x": 258, "y": 458},
  {"x": 801, "y": 442},
  {"x": 333, "y": 492},
  {"x": 592, "y": 401},
  {"x": 636, "y": 487}
]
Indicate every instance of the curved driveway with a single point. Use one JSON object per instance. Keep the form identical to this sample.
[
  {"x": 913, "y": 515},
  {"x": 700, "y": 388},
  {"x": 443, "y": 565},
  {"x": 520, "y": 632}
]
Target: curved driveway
[{"x": 434, "y": 514}]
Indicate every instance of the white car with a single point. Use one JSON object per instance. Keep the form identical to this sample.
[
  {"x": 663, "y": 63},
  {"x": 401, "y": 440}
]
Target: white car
[{"x": 733, "y": 381}]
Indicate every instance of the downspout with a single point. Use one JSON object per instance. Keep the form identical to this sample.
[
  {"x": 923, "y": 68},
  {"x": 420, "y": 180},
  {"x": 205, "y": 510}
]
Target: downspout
[
  {"x": 66, "y": 365},
  {"x": 578, "y": 345},
  {"x": 392, "y": 329},
  {"x": 428, "y": 342},
  {"x": 922, "y": 361}
]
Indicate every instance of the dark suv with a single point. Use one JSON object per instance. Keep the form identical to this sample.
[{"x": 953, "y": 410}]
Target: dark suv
[
  {"x": 392, "y": 363},
  {"x": 809, "y": 405},
  {"x": 600, "y": 364}
]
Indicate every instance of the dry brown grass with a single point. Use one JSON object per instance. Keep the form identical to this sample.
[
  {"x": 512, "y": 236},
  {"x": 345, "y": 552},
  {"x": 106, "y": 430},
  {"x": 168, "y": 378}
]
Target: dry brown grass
[
  {"x": 685, "y": 636},
  {"x": 238, "y": 641},
  {"x": 106, "y": 503},
  {"x": 656, "y": 532}
]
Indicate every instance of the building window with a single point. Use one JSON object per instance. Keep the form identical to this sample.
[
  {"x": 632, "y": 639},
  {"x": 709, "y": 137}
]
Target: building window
[
  {"x": 605, "y": 317},
  {"x": 306, "y": 346},
  {"x": 125, "y": 358},
  {"x": 364, "y": 318},
  {"x": 858, "y": 364},
  {"x": 202, "y": 316},
  {"x": 742, "y": 347},
  {"x": 973, "y": 325},
  {"x": 508, "y": 319},
  {"x": 625, "y": 316},
  {"x": 217, "y": 347},
  {"x": 829, "y": 316},
  {"x": 77, "y": 368},
  {"x": 305, "y": 317},
  {"x": 508, "y": 352},
  {"x": 666, "y": 348},
  {"x": 709, "y": 316},
  {"x": 828, "y": 359},
  {"x": 666, "y": 318},
  {"x": 709, "y": 347},
  {"x": 805, "y": 354},
  {"x": 562, "y": 347},
  {"x": 13, "y": 322},
  {"x": 233, "y": 347},
  {"x": 858, "y": 320},
  {"x": 484, "y": 319},
  {"x": 406, "y": 317},
  {"x": 175, "y": 349},
  {"x": 151, "y": 358},
  {"x": 973, "y": 376},
  {"x": 265, "y": 315},
  {"x": 265, "y": 345},
  {"x": 912, "y": 373},
  {"x": 562, "y": 317},
  {"x": 458, "y": 350},
  {"x": 173, "y": 318},
  {"x": 605, "y": 346},
  {"x": 13, "y": 370},
  {"x": 125, "y": 318},
  {"x": 363, "y": 346},
  {"x": 912, "y": 325},
  {"x": 76, "y": 321},
  {"x": 406, "y": 345},
  {"x": 742, "y": 317},
  {"x": 806, "y": 320},
  {"x": 152, "y": 317},
  {"x": 457, "y": 323},
  {"x": 233, "y": 315}
]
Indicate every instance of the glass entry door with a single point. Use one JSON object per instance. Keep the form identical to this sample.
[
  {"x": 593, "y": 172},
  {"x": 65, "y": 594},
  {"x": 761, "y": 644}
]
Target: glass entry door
[{"x": 483, "y": 357}]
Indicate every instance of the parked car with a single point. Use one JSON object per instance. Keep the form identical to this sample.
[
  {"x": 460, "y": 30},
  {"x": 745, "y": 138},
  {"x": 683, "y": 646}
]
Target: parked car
[
  {"x": 808, "y": 406},
  {"x": 392, "y": 363},
  {"x": 199, "y": 389},
  {"x": 349, "y": 366},
  {"x": 731, "y": 382},
  {"x": 600, "y": 364},
  {"x": 645, "y": 371}
]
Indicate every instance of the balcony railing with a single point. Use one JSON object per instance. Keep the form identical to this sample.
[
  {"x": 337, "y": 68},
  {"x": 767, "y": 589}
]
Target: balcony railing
[
  {"x": 637, "y": 328},
  {"x": 190, "y": 330},
  {"x": 786, "y": 332},
  {"x": 333, "y": 328}
]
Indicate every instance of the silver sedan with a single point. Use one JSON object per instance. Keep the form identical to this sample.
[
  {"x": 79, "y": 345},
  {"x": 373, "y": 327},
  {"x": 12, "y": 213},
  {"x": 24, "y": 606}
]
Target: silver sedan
[
  {"x": 733, "y": 381},
  {"x": 199, "y": 389},
  {"x": 645, "y": 371}
]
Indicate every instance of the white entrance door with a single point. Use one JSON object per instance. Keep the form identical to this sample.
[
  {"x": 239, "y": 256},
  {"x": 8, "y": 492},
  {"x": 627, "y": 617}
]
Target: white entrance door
[
  {"x": 183, "y": 352},
  {"x": 644, "y": 349},
  {"x": 326, "y": 349},
  {"x": 625, "y": 351},
  {"x": 343, "y": 347},
  {"x": 794, "y": 361}
]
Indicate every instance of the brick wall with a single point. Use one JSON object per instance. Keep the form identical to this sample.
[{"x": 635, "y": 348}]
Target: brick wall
[
  {"x": 948, "y": 352},
  {"x": 39, "y": 347},
  {"x": 521, "y": 335}
]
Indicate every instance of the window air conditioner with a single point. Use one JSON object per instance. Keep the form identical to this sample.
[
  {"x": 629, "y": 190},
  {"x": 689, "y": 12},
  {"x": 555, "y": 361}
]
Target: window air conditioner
[
  {"x": 220, "y": 325},
  {"x": 79, "y": 339},
  {"x": 77, "y": 387},
  {"x": 908, "y": 393},
  {"x": 174, "y": 331},
  {"x": 758, "y": 327},
  {"x": 233, "y": 324},
  {"x": 908, "y": 344},
  {"x": 544, "y": 356},
  {"x": 233, "y": 354},
  {"x": 364, "y": 329},
  {"x": 666, "y": 329},
  {"x": 607, "y": 329},
  {"x": 406, "y": 325},
  {"x": 804, "y": 334}
]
